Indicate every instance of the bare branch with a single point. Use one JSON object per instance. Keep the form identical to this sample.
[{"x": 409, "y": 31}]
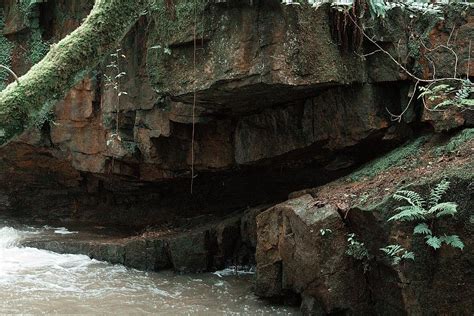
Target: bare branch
[
  {"x": 394, "y": 60},
  {"x": 11, "y": 73},
  {"x": 398, "y": 118}
]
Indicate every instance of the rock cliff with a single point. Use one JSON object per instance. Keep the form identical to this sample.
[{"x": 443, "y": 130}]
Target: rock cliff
[{"x": 255, "y": 101}]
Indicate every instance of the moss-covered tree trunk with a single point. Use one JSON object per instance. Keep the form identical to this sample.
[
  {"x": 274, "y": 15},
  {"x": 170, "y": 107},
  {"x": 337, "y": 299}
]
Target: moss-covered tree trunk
[{"x": 66, "y": 63}]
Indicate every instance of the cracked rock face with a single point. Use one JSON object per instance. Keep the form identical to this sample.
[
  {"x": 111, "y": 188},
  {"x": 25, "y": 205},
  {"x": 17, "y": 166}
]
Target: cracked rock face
[
  {"x": 278, "y": 108},
  {"x": 302, "y": 244},
  {"x": 275, "y": 99},
  {"x": 301, "y": 248}
]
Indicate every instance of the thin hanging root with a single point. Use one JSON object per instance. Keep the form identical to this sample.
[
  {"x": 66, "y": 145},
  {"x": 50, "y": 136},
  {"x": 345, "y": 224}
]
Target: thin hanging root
[
  {"x": 11, "y": 72},
  {"x": 344, "y": 32}
]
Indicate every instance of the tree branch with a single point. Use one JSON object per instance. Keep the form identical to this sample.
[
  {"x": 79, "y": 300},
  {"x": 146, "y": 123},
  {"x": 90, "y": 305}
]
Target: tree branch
[{"x": 66, "y": 63}]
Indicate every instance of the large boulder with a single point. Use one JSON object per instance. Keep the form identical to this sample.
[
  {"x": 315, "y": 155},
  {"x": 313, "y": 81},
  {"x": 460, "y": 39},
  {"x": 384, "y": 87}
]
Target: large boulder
[
  {"x": 301, "y": 248},
  {"x": 303, "y": 244}
]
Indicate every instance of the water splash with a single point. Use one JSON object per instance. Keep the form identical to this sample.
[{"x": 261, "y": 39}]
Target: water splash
[
  {"x": 9, "y": 237},
  {"x": 34, "y": 281}
]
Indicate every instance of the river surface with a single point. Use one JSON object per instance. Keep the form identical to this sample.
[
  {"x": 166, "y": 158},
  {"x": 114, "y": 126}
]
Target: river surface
[{"x": 34, "y": 281}]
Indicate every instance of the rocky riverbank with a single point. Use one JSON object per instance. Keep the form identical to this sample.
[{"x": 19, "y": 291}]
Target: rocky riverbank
[
  {"x": 301, "y": 245},
  {"x": 292, "y": 142},
  {"x": 199, "y": 244}
]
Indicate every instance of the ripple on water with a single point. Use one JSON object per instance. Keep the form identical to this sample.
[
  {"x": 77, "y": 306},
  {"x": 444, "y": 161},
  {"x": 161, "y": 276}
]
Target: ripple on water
[{"x": 38, "y": 281}]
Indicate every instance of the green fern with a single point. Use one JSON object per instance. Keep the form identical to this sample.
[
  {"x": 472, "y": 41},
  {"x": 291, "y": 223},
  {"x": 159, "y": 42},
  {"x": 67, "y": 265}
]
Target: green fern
[
  {"x": 411, "y": 197},
  {"x": 408, "y": 255},
  {"x": 433, "y": 241},
  {"x": 422, "y": 229},
  {"x": 392, "y": 250},
  {"x": 416, "y": 211},
  {"x": 444, "y": 209},
  {"x": 453, "y": 240},
  {"x": 447, "y": 95},
  {"x": 397, "y": 253},
  {"x": 438, "y": 192},
  {"x": 408, "y": 213}
]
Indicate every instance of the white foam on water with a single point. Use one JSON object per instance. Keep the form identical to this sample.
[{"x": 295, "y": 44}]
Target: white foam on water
[
  {"x": 63, "y": 231},
  {"x": 34, "y": 281},
  {"x": 9, "y": 237}
]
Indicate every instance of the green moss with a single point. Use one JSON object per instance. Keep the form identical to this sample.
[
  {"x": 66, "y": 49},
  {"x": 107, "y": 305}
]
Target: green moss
[
  {"x": 396, "y": 157},
  {"x": 174, "y": 22},
  {"x": 6, "y": 48},
  {"x": 49, "y": 80},
  {"x": 45, "y": 114},
  {"x": 455, "y": 142},
  {"x": 130, "y": 147},
  {"x": 38, "y": 47},
  {"x": 172, "y": 26}
]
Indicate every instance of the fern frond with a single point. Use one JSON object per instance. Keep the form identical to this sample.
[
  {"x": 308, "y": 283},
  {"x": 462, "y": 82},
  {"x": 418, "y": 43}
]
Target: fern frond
[
  {"x": 438, "y": 191},
  {"x": 453, "y": 240},
  {"x": 392, "y": 250},
  {"x": 433, "y": 242},
  {"x": 422, "y": 229},
  {"x": 408, "y": 255},
  {"x": 411, "y": 197},
  {"x": 467, "y": 102},
  {"x": 393, "y": 253},
  {"x": 444, "y": 209},
  {"x": 409, "y": 214},
  {"x": 404, "y": 208}
]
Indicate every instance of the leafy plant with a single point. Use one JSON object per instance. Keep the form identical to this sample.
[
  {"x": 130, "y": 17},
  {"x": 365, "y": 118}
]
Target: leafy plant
[
  {"x": 358, "y": 251},
  {"x": 325, "y": 231},
  {"x": 38, "y": 47},
  {"x": 446, "y": 95},
  {"x": 397, "y": 253},
  {"x": 422, "y": 211},
  {"x": 113, "y": 81},
  {"x": 5, "y": 52},
  {"x": 377, "y": 8}
]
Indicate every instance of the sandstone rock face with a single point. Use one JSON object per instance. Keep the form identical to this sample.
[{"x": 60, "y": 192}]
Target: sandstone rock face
[
  {"x": 301, "y": 248},
  {"x": 209, "y": 244},
  {"x": 276, "y": 99},
  {"x": 270, "y": 105},
  {"x": 303, "y": 242}
]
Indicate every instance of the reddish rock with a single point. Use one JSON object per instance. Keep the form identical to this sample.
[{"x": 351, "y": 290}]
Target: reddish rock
[{"x": 301, "y": 249}]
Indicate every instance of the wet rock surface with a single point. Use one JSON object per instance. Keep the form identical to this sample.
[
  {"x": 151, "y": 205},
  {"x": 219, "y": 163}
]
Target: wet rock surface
[
  {"x": 303, "y": 242},
  {"x": 279, "y": 108},
  {"x": 205, "y": 244},
  {"x": 301, "y": 248}
]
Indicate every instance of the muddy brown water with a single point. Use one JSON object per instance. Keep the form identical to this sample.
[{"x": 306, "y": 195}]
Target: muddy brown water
[{"x": 34, "y": 281}]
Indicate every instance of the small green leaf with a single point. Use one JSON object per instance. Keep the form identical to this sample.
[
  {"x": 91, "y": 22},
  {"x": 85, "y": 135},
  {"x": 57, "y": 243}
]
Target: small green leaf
[
  {"x": 433, "y": 241},
  {"x": 453, "y": 241},
  {"x": 409, "y": 255},
  {"x": 422, "y": 229},
  {"x": 467, "y": 102},
  {"x": 444, "y": 209}
]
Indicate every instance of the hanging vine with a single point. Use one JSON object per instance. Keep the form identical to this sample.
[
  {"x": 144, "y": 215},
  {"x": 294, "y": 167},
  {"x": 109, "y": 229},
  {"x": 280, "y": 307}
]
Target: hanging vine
[{"x": 344, "y": 32}]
